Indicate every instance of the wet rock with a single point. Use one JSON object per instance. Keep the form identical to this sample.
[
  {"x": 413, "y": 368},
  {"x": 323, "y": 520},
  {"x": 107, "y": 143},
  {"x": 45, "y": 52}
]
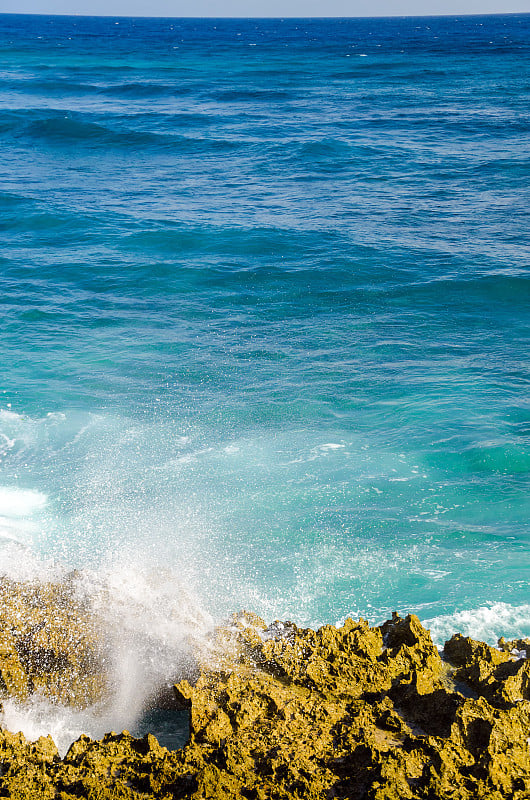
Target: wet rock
[
  {"x": 279, "y": 712},
  {"x": 501, "y": 676},
  {"x": 49, "y": 644},
  {"x": 520, "y": 648},
  {"x": 13, "y": 677}
]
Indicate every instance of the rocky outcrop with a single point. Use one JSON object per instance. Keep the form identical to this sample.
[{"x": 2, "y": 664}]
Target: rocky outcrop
[
  {"x": 277, "y": 712},
  {"x": 358, "y": 712},
  {"x": 50, "y": 643}
]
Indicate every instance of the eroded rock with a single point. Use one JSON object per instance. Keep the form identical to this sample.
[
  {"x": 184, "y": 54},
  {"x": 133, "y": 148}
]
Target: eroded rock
[
  {"x": 50, "y": 644},
  {"x": 278, "y": 712},
  {"x": 499, "y": 675}
]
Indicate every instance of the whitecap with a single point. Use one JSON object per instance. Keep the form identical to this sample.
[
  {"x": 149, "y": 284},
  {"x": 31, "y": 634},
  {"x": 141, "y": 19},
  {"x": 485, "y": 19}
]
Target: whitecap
[
  {"x": 15, "y": 502},
  {"x": 486, "y": 623}
]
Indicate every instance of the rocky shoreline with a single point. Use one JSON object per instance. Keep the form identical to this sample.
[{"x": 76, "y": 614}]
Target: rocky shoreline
[{"x": 276, "y": 712}]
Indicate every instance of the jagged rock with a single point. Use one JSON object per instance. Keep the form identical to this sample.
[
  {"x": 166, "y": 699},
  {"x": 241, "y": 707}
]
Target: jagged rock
[
  {"x": 279, "y": 712},
  {"x": 499, "y": 676},
  {"x": 13, "y": 678},
  {"x": 516, "y": 647},
  {"x": 49, "y": 643}
]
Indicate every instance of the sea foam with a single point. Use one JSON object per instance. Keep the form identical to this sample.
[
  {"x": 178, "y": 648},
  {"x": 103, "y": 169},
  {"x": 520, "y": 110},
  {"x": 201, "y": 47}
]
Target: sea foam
[{"x": 486, "y": 623}]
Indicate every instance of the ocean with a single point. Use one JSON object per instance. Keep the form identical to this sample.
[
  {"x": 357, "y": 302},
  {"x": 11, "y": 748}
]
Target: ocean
[{"x": 265, "y": 305}]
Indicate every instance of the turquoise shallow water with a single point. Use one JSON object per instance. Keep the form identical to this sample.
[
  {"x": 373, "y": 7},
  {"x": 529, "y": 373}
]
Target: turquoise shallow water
[{"x": 265, "y": 312}]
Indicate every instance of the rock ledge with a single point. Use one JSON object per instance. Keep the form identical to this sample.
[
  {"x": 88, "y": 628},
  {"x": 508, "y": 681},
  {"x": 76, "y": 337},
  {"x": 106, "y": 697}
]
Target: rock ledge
[{"x": 280, "y": 712}]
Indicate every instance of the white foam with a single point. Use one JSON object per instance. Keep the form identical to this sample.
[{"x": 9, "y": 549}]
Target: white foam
[
  {"x": 40, "y": 717},
  {"x": 7, "y": 415},
  {"x": 20, "y": 513},
  {"x": 486, "y": 623},
  {"x": 16, "y": 502}
]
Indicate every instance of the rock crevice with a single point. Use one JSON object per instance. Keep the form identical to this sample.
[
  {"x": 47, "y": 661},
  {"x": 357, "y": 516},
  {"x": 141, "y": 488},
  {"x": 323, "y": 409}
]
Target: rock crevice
[{"x": 277, "y": 712}]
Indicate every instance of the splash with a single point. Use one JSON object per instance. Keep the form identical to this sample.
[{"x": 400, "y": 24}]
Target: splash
[{"x": 109, "y": 646}]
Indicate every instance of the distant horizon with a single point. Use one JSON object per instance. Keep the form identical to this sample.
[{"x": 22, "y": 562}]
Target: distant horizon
[
  {"x": 258, "y": 17},
  {"x": 272, "y": 9}
]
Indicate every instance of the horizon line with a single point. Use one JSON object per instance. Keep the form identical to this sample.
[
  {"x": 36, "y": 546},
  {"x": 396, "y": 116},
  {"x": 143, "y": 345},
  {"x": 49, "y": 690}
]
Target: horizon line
[{"x": 79, "y": 14}]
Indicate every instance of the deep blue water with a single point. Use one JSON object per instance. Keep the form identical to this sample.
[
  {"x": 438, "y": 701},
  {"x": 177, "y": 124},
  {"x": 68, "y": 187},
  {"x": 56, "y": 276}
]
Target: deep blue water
[{"x": 265, "y": 310}]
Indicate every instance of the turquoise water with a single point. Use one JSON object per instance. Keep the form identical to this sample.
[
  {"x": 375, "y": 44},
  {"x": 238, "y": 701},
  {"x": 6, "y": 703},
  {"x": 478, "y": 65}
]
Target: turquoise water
[{"x": 265, "y": 313}]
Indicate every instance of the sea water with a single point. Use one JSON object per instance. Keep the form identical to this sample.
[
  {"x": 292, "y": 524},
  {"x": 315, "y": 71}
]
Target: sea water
[{"x": 265, "y": 323}]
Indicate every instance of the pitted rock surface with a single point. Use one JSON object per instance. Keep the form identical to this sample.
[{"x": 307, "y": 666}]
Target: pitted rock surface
[
  {"x": 50, "y": 643},
  {"x": 278, "y": 712}
]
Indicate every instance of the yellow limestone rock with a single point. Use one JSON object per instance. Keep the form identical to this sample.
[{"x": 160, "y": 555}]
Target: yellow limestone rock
[
  {"x": 49, "y": 644},
  {"x": 280, "y": 712}
]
